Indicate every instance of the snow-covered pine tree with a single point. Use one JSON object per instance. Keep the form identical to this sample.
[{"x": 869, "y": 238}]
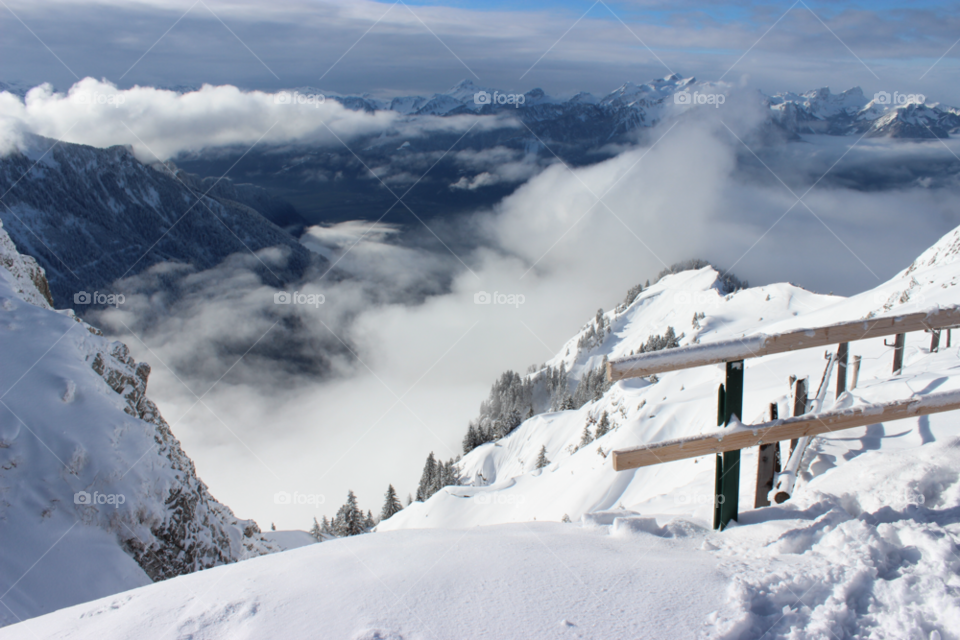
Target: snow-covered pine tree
[
  {"x": 428, "y": 479},
  {"x": 632, "y": 294},
  {"x": 586, "y": 438},
  {"x": 368, "y": 522},
  {"x": 542, "y": 460},
  {"x": 472, "y": 440},
  {"x": 603, "y": 426},
  {"x": 391, "y": 504},
  {"x": 349, "y": 520},
  {"x": 315, "y": 532},
  {"x": 327, "y": 528}
]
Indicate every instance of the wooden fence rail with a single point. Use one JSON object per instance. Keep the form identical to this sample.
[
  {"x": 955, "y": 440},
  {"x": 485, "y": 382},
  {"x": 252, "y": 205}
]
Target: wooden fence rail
[
  {"x": 757, "y": 345},
  {"x": 739, "y": 436}
]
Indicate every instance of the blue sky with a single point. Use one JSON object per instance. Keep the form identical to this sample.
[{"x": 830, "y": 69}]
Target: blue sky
[{"x": 423, "y": 47}]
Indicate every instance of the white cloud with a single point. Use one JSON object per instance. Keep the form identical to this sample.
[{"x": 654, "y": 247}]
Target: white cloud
[{"x": 160, "y": 124}]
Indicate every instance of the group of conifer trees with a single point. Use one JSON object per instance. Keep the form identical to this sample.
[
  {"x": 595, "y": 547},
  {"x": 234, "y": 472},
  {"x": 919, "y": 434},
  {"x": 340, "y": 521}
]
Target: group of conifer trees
[
  {"x": 350, "y": 519},
  {"x": 437, "y": 475}
]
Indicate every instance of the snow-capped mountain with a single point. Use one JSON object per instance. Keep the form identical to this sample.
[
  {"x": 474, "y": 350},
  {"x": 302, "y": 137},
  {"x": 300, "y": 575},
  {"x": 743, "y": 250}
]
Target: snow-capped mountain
[
  {"x": 867, "y": 542},
  {"x": 90, "y": 216},
  {"x": 852, "y": 113},
  {"x": 96, "y": 494},
  {"x": 642, "y": 105}
]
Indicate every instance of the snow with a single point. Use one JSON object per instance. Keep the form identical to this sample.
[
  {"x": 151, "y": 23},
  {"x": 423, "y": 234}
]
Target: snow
[
  {"x": 867, "y": 546},
  {"x": 287, "y": 540},
  {"x": 89, "y": 480},
  {"x": 577, "y": 582}
]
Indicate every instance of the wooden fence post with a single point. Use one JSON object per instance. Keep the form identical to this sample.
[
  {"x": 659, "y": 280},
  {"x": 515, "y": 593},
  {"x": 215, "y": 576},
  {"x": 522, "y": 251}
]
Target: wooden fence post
[
  {"x": 898, "y": 345},
  {"x": 843, "y": 352},
  {"x": 799, "y": 406},
  {"x": 768, "y": 466},
  {"x": 934, "y": 341},
  {"x": 856, "y": 372}
]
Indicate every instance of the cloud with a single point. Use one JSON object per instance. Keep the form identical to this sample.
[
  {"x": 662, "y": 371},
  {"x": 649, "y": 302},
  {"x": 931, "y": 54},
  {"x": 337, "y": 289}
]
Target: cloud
[
  {"x": 353, "y": 47},
  {"x": 352, "y": 393},
  {"x": 159, "y": 124}
]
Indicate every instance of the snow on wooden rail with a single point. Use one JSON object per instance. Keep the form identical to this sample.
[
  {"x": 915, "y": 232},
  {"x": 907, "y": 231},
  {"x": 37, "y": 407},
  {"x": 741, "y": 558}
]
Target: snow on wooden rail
[
  {"x": 760, "y": 344},
  {"x": 740, "y": 436}
]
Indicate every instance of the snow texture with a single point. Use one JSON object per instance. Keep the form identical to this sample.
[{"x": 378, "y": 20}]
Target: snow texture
[
  {"x": 96, "y": 495},
  {"x": 867, "y": 547}
]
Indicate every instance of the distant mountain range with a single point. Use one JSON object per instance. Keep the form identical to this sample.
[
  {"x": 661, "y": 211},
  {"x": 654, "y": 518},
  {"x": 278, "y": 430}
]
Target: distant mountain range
[{"x": 631, "y": 105}]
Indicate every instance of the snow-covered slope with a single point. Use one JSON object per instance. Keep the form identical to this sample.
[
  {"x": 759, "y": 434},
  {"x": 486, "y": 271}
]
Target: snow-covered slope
[
  {"x": 96, "y": 495},
  {"x": 866, "y": 548},
  {"x": 581, "y": 480},
  {"x": 537, "y": 580},
  {"x": 887, "y": 494}
]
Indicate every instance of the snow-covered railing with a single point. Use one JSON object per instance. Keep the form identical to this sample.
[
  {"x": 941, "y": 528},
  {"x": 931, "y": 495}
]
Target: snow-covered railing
[
  {"x": 739, "y": 436},
  {"x": 759, "y": 344},
  {"x": 727, "y": 444}
]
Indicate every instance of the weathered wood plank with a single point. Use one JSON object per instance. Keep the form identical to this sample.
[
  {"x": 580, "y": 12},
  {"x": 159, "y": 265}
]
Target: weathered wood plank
[
  {"x": 743, "y": 436},
  {"x": 760, "y": 344}
]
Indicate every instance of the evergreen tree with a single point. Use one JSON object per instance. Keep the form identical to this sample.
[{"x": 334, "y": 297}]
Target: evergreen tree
[
  {"x": 315, "y": 531},
  {"x": 273, "y": 526},
  {"x": 349, "y": 520},
  {"x": 586, "y": 438},
  {"x": 472, "y": 440},
  {"x": 409, "y": 499},
  {"x": 603, "y": 426},
  {"x": 369, "y": 522},
  {"x": 428, "y": 479},
  {"x": 542, "y": 460},
  {"x": 632, "y": 294},
  {"x": 391, "y": 504},
  {"x": 326, "y": 528}
]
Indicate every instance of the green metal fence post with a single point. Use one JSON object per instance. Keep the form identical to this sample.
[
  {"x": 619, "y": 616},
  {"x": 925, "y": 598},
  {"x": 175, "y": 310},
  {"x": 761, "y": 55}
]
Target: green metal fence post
[
  {"x": 728, "y": 491},
  {"x": 718, "y": 481}
]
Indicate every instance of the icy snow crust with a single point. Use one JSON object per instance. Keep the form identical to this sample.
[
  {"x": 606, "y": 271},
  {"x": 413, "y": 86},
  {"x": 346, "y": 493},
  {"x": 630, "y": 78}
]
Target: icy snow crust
[{"x": 867, "y": 547}]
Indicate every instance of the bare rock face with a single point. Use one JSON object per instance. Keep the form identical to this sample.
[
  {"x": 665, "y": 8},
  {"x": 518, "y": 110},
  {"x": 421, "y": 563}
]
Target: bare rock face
[{"x": 198, "y": 532}]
